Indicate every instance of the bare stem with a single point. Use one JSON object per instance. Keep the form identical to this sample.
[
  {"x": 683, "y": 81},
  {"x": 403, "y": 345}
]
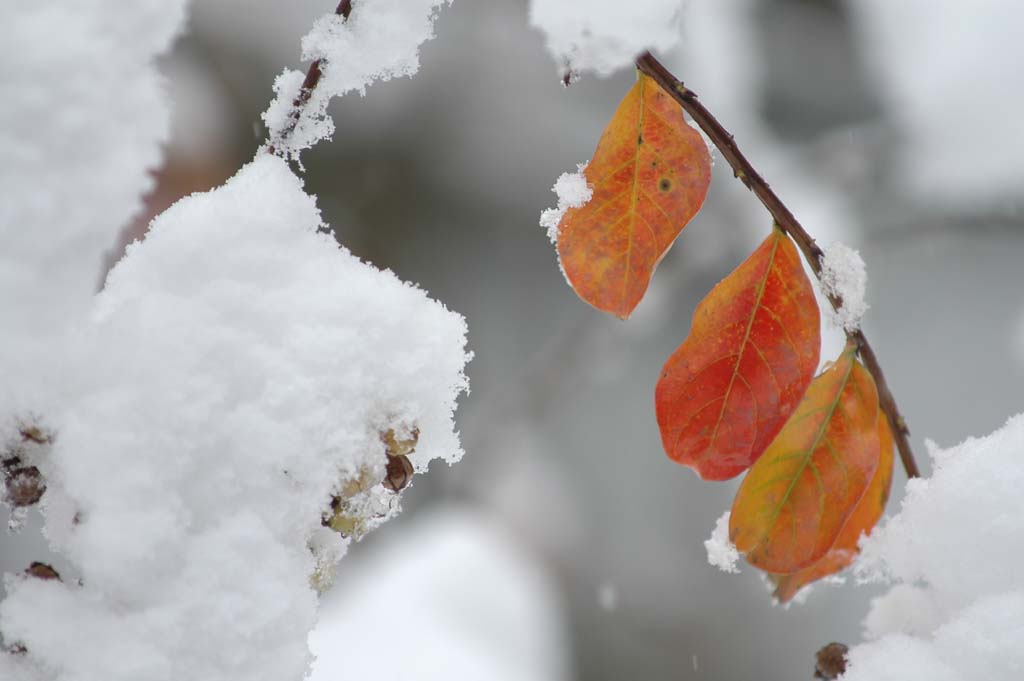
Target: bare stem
[
  {"x": 309, "y": 84},
  {"x": 786, "y": 221}
]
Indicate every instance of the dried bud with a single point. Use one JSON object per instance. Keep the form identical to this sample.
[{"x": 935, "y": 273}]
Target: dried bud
[
  {"x": 399, "y": 473},
  {"x": 24, "y": 485},
  {"x": 42, "y": 571},
  {"x": 33, "y": 433},
  {"x": 831, "y": 662}
]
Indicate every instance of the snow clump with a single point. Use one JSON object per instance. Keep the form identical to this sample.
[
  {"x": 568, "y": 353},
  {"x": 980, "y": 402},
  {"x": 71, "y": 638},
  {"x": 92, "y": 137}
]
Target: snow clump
[
  {"x": 573, "y": 192},
  {"x": 843, "y": 275},
  {"x": 379, "y": 41},
  {"x": 955, "y": 550},
  {"x": 242, "y": 370},
  {"x": 722, "y": 553},
  {"x": 604, "y": 36}
]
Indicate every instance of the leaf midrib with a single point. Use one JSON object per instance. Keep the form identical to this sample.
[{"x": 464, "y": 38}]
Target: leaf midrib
[
  {"x": 814, "y": 446},
  {"x": 743, "y": 344}
]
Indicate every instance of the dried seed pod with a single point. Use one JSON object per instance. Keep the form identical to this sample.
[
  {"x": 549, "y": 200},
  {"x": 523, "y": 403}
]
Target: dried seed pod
[
  {"x": 399, "y": 473},
  {"x": 830, "y": 661},
  {"x": 42, "y": 571},
  {"x": 37, "y": 434},
  {"x": 24, "y": 485}
]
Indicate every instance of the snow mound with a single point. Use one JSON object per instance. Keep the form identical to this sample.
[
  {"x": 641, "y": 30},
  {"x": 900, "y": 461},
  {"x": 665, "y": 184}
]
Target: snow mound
[
  {"x": 243, "y": 368},
  {"x": 955, "y": 548}
]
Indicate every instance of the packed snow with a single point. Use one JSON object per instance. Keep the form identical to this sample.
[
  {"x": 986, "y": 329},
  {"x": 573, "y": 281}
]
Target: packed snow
[
  {"x": 954, "y": 551},
  {"x": 379, "y": 41},
  {"x": 572, "y": 191},
  {"x": 722, "y": 553},
  {"x": 604, "y": 36},
  {"x": 843, "y": 275}
]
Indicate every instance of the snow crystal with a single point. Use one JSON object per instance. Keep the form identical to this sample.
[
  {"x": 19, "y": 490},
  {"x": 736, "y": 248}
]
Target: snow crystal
[
  {"x": 843, "y": 275},
  {"x": 722, "y": 553},
  {"x": 605, "y": 35},
  {"x": 379, "y": 41},
  {"x": 955, "y": 549},
  {"x": 241, "y": 370},
  {"x": 573, "y": 192}
]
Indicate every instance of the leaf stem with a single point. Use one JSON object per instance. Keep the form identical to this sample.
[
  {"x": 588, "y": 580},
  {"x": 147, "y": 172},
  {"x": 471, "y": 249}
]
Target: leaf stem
[
  {"x": 788, "y": 223},
  {"x": 309, "y": 84}
]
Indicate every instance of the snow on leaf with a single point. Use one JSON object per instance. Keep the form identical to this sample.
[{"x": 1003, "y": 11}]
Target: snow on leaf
[
  {"x": 650, "y": 174},
  {"x": 722, "y": 552},
  {"x": 572, "y": 191}
]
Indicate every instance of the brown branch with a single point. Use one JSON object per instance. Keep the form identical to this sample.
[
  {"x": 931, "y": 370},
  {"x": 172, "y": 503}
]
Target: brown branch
[
  {"x": 786, "y": 221},
  {"x": 309, "y": 84}
]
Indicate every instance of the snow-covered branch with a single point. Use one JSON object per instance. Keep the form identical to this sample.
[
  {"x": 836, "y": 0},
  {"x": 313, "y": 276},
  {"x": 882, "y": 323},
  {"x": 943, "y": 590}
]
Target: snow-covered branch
[{"x": 241, "y": 399}]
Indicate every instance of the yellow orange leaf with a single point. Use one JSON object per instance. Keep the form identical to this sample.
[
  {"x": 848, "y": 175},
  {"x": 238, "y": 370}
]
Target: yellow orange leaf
[
  {"x": 797, "y": 497},
  {"x": 863, "y": 519},
  {"x": 751, "y": 353},
  {"x": 649, "y": 174}
]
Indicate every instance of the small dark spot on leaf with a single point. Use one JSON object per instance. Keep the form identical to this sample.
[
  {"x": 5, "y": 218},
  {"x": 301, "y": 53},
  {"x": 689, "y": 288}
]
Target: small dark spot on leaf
[
  {"x": 665, "y": 184},
  {"x": 639, "y": 139}
]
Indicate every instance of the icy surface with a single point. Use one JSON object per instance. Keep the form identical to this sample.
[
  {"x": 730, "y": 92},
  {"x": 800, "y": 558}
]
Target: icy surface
[
  {"x": 450, "y": 596},
  {"x": 573, "y": 192},
  {"x": 379, "y": 41},
  {"x": 81, "y": 121},
  {"x": 955, "y": 549},
  {"x": 722, "y": 553},
  {"x": 843, "y": 275},
  {"x": 242, "y": 367},
  {"x": 605, "y": 35}
]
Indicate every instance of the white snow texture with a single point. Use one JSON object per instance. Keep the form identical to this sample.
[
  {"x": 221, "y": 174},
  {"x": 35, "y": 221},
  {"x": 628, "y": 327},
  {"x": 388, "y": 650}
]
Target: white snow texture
[
  {"x": 76, "y": 147},
  {"x": 604, "y": 36},
  {"x": 956, "y": 548},
  {"x": 379, "y": 41},
  {"x": 572, "y": 191},
  {"x": 237, "y": 369},
  {"x": 722, "y": 553},
  {"x": 843, "y": 274}
]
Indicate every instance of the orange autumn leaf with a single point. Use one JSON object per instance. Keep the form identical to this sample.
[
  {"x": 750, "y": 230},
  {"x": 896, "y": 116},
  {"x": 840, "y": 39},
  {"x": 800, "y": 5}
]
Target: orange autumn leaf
[
  {"x": 794, "y": 502},
  {"x": 863, "y": 519},
  {"x": 725, "y": 393},
  {"x": 649, "y": 175}
]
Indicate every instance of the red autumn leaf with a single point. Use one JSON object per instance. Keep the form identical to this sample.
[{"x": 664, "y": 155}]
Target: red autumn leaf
[
  {"x": 794, "y": 502},
  {"x": 863, "y": 519},
  {"x": 649, "y": 176},
  {"x": 751, "y": 353}
]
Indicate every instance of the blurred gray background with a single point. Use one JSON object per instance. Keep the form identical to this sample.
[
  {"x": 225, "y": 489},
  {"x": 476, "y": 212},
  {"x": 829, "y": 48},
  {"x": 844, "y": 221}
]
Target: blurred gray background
[{"x": 893, "y": 129}]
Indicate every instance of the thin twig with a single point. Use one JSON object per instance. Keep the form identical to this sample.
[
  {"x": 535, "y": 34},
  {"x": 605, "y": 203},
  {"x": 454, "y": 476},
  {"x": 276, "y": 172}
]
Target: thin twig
[
  {"x": 786, "y": 221},
  {"x": 309, "y": 84}
]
